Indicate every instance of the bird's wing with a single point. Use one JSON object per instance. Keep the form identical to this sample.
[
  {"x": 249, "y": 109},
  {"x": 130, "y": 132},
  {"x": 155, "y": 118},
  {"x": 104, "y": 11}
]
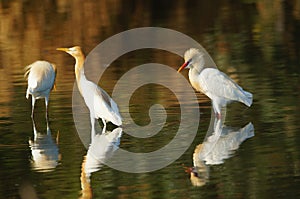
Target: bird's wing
[
  {"x": 105, "y": 97},
  {"x": 93, "y": 98},
  {"x": 112, "y": 112},
  {"x": 41, "y": 76},
  {"x": 55, "y": 71},
  {"x": 94, "y": 95},
  {"x": 47, "y": 82},
  {"x": 27, "y": 71},
  {"x": 219, "y": 84},
  {"x": 99, "y": 102}
]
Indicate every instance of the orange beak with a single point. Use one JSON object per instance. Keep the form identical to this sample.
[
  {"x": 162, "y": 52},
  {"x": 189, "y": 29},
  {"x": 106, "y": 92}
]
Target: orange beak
[
  {"x": 183, "y": 66},
  {"x": 62, "y": 49}
]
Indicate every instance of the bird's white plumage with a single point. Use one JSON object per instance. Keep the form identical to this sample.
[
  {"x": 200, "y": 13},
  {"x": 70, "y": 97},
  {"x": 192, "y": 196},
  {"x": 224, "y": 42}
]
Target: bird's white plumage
[
  {"x": 41, "y": 77},
  {"x": 220, "y": 88},
  {"x": 102, "y": 148},
  {"x": 45, "y": 152},
  {"x": 223, "y": 141},
  {"x": 100, "y": 104}
]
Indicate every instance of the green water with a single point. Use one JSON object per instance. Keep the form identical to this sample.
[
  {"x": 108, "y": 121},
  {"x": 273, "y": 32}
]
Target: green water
[{"x": 255, "y": 42}]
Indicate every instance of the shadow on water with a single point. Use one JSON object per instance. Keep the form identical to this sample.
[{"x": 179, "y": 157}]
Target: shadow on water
[{"x": 220, "y": 143}]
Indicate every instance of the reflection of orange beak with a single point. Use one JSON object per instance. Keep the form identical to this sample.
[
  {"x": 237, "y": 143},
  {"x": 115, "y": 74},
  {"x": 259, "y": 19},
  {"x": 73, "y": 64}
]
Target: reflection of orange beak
[
  {"x": 187, "y": 169},
  {"x": 183, "y": 66}
]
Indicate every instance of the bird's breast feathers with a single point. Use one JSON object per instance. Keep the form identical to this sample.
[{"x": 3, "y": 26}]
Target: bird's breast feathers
[
  {"x": 197, "y": 86},
  {"x": 195, "y": 81}
]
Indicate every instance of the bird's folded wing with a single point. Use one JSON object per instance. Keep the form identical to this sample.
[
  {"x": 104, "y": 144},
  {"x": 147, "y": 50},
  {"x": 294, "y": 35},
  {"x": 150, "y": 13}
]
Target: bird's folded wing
[
  {"x": 219, "y": 84},
  {"x": 105, "y": 97},
  {"x": 40, "y": 80},
  {"x": 45, "y": 84}
]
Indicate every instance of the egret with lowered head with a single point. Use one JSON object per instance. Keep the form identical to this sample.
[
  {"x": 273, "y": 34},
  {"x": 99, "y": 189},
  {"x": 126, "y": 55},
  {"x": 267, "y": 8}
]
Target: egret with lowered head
[
  {"x": 97, "y": 100},
  {"x": 220, "y": 88},
  {"x": 41, "y": 80}
]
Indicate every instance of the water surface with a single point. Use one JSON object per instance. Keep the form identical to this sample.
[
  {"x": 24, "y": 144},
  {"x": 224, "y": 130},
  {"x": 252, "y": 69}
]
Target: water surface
[{"x": 255, "y": 42}]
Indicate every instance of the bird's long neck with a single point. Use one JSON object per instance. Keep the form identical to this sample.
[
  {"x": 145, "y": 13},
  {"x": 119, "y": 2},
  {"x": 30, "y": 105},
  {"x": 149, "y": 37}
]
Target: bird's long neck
[{"x": 79, "y": 70}]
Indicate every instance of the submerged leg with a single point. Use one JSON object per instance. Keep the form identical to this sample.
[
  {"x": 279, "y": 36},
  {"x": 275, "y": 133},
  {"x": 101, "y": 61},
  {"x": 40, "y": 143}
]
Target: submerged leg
[
  {"x": 32, "y": 105},
  {"x": 46, "y": 103},
  {"x": 48, "y": 127},
  {"x": 104, "y": 123},
  {"x": 34, "y": 129}
]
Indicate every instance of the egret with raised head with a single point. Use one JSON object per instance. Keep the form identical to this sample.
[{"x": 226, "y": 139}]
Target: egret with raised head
[{"x": 100, "y": 104}]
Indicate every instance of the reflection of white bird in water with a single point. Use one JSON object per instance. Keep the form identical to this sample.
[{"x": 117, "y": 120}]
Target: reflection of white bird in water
[
  {"x": 223, "y": 142},
  {"x": 101, "y": 149},
  {"x": 45, "y": 153},
  {"x": 219, "y": 144},
  {"x": 220, "y": 88},
  {"x": 41, "y": 79},
  {"x": 97, "y": 100}
]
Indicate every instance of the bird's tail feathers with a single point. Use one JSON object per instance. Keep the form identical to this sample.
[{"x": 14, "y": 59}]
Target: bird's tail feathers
[
  {"x": 116, "y": 119},
  {"x": 27, "y": 94},
  {"x": 27, "y": 71},
  {"x": 249, "y": 129},
  {"x": 248, "y": 99}
]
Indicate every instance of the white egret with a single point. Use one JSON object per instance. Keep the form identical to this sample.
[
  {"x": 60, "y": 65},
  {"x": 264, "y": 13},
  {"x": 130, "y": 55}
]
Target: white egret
[
  {"x": 41, "y": 80},
  {"x": 97, "y": 100},
  {"x": 220, "y": 88}
]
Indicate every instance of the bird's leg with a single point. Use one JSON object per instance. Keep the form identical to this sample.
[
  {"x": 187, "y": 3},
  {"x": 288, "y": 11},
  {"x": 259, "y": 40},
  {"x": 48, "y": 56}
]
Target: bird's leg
[
  {"x": 34, "y": 129},
  {"x": 217, "y": 109},
  {"x": 32, "y": 106},
  {"x": 104, "y": 123},
  {"x": 92, "y": 126},
  {"x": 48, "y": 127},
  {"x": 46, "y": 103},
  {"x": 104, "y": 129}
]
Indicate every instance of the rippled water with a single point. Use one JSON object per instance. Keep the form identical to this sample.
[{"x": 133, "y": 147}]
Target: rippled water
[{"x": 254, "y": 154}]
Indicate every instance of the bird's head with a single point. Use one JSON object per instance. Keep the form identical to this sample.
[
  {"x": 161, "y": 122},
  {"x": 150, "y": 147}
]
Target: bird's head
[
  {"x": 193, "y": 58},
  {"x": 73, "y": 51}
]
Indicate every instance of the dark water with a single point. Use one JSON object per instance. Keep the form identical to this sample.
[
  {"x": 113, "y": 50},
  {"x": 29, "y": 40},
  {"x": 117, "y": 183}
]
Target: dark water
[{"x": 257, "y": 153}]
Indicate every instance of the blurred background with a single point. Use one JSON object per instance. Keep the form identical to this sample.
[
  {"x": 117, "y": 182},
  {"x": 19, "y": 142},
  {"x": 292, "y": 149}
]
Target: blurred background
[{"x": 255, "y": 42}]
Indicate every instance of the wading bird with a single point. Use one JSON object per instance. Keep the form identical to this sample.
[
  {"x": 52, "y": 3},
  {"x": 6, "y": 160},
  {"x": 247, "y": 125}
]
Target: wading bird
[
  {"x": 97, "y": 100},
  {"x": 41, "y": 78},
  {"x": 215, "y": 84}
]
